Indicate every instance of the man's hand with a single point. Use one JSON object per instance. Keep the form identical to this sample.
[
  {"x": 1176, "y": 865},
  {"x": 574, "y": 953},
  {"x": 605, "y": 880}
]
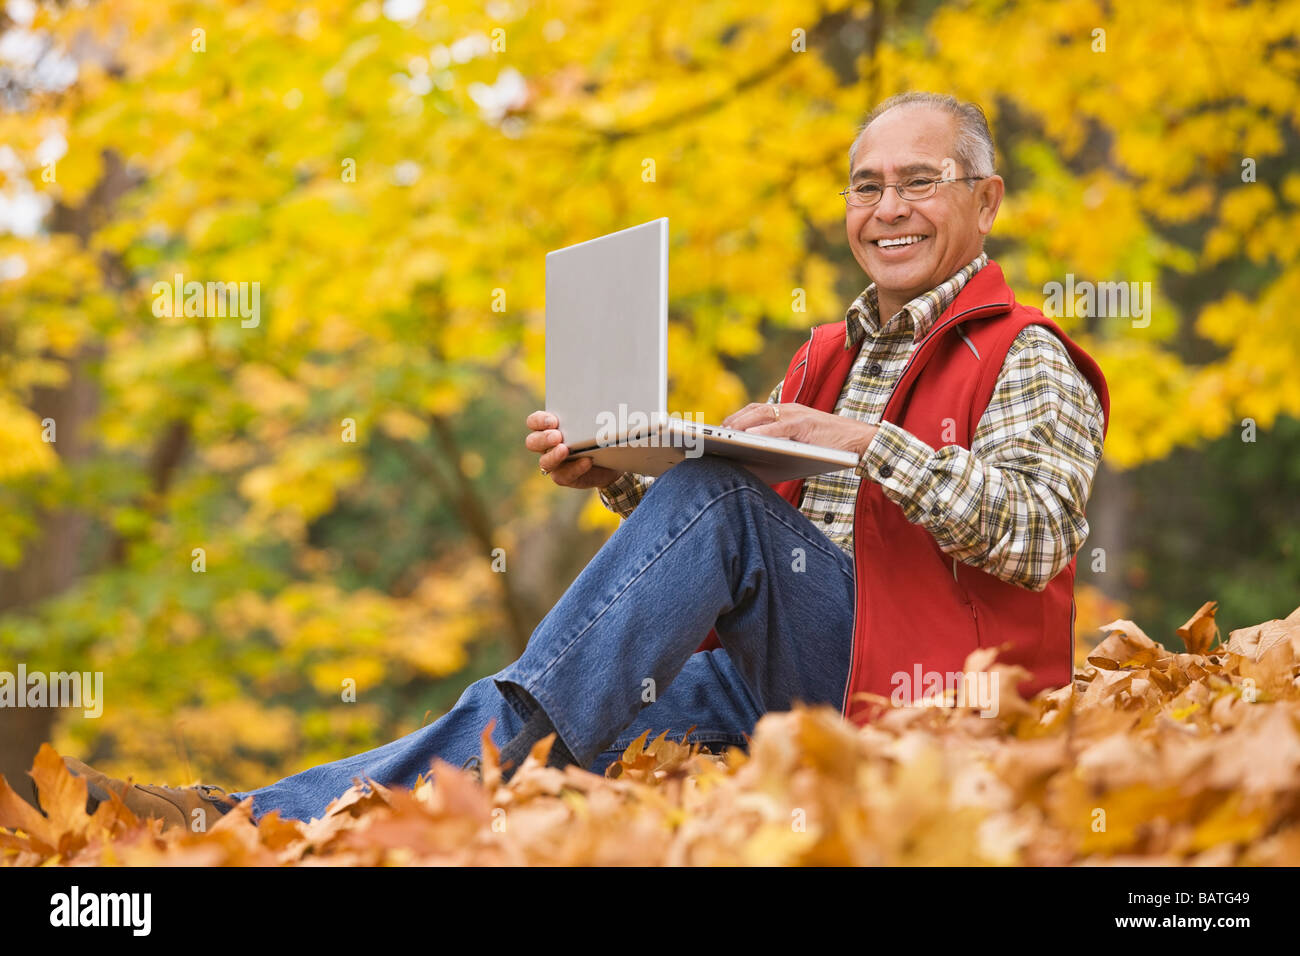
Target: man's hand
[
  {"x": 801, "y": 423},
  {"x": 544, "y": 437}
]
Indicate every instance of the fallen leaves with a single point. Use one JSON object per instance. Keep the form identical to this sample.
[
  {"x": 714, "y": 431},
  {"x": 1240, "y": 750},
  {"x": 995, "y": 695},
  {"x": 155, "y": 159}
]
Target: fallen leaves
[
  {"x": 1200, "y": 631},
  {"x": 64, "y": 828},
  {"x": 1150, "y": 756}
]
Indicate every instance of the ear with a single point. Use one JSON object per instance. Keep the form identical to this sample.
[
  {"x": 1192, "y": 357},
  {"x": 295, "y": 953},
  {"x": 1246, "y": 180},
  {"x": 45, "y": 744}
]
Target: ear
[{"x": 988, "y": 193}]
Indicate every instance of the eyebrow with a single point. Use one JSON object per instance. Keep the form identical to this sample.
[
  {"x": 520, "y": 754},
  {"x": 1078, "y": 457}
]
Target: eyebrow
[{"x": 903, "y": 171}]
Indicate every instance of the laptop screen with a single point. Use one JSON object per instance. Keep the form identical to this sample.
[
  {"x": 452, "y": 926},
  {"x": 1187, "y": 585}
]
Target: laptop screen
[{"x": 607, "y": 332}]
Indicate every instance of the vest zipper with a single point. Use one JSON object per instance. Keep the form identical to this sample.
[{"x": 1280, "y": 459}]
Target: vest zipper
[
  {"x": 969, "y": 344},
  {"x": 853, "y": 636},
  {"x": 933, "y": 334}
]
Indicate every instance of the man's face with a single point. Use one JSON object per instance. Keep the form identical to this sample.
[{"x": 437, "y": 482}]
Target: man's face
[{"x": 906, "y": 143}]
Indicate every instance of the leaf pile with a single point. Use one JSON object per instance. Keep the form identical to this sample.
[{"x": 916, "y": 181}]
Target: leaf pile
[{"x": 1150, "y": 756}]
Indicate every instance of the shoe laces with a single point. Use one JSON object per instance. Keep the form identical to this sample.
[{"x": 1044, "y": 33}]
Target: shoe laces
[{"x": 214, "y": 794}]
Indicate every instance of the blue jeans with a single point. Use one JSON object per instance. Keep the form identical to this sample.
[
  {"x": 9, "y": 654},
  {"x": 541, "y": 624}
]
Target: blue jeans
[{"x": 710, "y": 545}]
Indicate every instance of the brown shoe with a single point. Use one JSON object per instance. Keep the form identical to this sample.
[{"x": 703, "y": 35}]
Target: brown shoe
[{"x": 190, "y": 807}]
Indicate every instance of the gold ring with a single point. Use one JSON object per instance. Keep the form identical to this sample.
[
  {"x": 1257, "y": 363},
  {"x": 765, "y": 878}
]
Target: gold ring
[
  {"x": 777, "y": 410},
  {"x": 544, "y": 471}
]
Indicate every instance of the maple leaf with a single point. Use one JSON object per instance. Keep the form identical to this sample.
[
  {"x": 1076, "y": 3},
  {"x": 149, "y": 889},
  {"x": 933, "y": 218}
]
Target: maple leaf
[
  {"x": 34, "y": 833},
  {"x": 62, "y": 825}
]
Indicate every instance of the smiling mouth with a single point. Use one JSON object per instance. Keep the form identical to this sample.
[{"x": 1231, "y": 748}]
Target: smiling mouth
[{"x": 898, "y": 241}]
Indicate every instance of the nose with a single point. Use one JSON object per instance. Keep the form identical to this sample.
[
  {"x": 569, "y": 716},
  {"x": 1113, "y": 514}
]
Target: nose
[{"x": 892, "y": 207}]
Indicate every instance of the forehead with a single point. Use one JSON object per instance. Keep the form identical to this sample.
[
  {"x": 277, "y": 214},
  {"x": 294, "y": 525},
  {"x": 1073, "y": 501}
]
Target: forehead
[{"x": 906, "y": 139}]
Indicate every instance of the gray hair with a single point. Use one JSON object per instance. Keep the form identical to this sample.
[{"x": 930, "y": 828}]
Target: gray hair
[{"x": 973, "y": 144}]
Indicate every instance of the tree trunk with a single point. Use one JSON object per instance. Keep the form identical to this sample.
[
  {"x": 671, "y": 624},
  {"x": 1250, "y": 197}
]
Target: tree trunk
[
  {"x": 50, "y": 565},
  {"x": 1109, "y": 507}
]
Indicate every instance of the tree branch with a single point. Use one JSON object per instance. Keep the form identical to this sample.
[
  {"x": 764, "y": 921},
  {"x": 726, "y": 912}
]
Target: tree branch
[
  {"x": 748, "y": 81},
  {"x": 470, "y": 511}
]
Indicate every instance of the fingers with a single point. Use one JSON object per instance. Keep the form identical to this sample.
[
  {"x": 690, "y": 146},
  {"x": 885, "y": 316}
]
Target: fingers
[
  {"x": 570, "y": 473},
  {"x": 540, "y": 441},
  {"x": 540, "y": 419},
  {"x": 742, "y": 418},
  {"x": 583, "y": 473},
  {"x": 555, "y": 456},
  {"x": 755, "y": 413},
  {"x": 543, "y": 437}
]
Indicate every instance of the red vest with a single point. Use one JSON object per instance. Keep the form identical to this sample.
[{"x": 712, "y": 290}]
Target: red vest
[{"x": 918, "y": 610}]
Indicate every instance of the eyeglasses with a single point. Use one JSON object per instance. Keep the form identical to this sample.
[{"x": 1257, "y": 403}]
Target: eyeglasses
[{"x": 868, "y": 194}]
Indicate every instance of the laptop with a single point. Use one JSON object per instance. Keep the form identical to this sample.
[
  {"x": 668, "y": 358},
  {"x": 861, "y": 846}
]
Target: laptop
[{"x": 607, "y": 367}]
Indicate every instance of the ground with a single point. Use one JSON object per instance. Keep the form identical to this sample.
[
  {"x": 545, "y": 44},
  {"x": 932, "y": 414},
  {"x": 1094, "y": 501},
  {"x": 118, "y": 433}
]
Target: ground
[{"x": 1151, "y": 756}]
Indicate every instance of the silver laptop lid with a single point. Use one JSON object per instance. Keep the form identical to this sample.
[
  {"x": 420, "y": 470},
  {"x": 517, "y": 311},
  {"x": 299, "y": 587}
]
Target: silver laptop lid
[{"x": 607, "y": 332}]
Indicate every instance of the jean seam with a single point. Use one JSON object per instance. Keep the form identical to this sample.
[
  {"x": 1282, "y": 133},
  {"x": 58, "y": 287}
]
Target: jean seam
[
  {"x": 505, "y": 688},
  {"x": 820, "y": 543}
]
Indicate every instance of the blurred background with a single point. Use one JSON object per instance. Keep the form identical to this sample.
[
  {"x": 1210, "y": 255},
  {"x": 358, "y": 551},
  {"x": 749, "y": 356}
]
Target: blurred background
[{"x": 236, "y": 521}]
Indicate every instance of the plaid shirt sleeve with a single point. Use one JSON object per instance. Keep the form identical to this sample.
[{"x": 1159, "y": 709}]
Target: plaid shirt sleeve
[
  {"x": 1012, "y": 504},
  {"x": 625, "y": 492}
]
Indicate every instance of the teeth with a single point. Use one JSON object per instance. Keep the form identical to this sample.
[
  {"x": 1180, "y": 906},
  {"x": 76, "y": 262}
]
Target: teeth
[{"x": 900, "y": 241}]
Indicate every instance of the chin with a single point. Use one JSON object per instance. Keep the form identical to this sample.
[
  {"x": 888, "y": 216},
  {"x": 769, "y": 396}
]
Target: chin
[{"x": 903, "y": 274}]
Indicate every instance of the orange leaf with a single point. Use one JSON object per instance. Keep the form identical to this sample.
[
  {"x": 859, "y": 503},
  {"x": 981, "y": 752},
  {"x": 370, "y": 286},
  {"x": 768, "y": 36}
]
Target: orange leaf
[
  {"x": 63, "y": 793},
  {"x": 17, "y": 814},
  {"x": 1200, "y": 631}
]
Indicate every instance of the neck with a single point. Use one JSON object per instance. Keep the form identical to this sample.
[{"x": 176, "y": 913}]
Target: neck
[{"x": 889, "y": 303}]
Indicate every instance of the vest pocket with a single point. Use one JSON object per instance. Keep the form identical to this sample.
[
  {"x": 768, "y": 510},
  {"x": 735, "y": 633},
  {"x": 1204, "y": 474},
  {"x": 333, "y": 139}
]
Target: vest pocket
[{"x": 970, "y": 605}]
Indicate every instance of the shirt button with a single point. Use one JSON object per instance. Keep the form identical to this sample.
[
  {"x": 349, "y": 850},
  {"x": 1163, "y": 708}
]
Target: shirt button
[
  {"x": 828, "y": 517},
  {"x": 934, "y": 510},
  {"x": 885, "y": 471},
  {"x": 874, "y": 369}
]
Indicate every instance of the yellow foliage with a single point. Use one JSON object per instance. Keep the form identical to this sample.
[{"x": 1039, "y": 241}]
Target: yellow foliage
[
  {"x": 22, "y": 450},
  {"x": 392, "y": 190}
]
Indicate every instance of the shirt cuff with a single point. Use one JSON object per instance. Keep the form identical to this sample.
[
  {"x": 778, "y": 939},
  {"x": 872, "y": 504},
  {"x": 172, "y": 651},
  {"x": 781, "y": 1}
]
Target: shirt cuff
[
  {"x": 624, "y": 493},
  {"x": 902, "y": 465}
]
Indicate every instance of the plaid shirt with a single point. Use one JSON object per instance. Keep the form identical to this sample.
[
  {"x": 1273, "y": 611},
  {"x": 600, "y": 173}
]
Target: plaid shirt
[{"x": 1013, "y": 503}]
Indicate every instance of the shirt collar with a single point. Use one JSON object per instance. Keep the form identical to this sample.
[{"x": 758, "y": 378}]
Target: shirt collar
[{"x": 863, "y": 317}]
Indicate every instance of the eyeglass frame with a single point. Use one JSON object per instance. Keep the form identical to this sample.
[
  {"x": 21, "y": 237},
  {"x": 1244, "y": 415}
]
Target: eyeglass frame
[{"x": 898, "y": 188}]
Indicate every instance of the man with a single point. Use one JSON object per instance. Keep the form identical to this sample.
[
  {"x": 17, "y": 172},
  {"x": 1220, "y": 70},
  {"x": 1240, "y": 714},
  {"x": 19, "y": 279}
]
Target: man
[{"x": 979, "y": 425}]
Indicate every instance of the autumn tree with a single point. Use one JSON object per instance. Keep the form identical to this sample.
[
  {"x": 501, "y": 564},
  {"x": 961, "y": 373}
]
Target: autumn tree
[{"x": 241, "y": 516}]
